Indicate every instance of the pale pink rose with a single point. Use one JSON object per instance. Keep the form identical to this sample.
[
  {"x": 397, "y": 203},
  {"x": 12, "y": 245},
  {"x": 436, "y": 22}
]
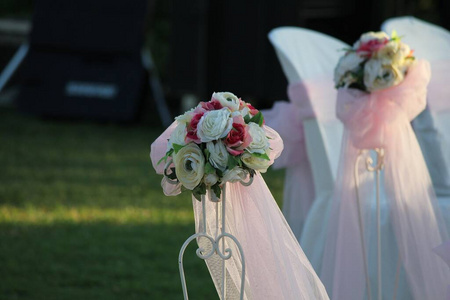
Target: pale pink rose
[
  {"x": 237, "y": 139},
  {"x": 211, "y": 105},
  {"x": 191, "y": 135}
]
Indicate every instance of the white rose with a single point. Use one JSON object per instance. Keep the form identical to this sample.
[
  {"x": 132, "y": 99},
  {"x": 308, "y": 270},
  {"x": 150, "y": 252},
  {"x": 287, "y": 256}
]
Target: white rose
[
  {"x": 401, "y": 60},
  {"x": 348, "y": 63},
  {"x": 227, "y": 99},
  {"x": 186, "y": 117},
  {"x": 395, "y": 53},
  {"x": 255, "y": 163},
  {"x": 378, "y": 76},
  {"x": 371, "y": 35},
  {"x": 234, "y": 175},
  {"x": 214, "y": 125},
  {"x": 218, "y": 155},
  {"x": 245, "y": 111},
  {"x": 404, "y": 51},
  {"x": 260, "y": 142},
  {"x": 189, "y": 165},
  {"x": 211, "y": 179},
  {"x": 389, "y": 54},
  {"x": 178, "y": 136}
]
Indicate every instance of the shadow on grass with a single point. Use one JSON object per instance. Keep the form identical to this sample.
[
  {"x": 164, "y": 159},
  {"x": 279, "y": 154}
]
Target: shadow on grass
[{"x": 98, "y": 261}]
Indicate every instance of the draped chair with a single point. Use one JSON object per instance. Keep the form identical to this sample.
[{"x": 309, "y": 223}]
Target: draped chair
[{"x": 432, "y": 126}]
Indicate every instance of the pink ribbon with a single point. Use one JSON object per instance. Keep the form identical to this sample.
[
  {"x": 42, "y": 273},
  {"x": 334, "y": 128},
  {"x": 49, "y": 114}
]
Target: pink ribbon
[
  {"x": 313, "y": 98},
  {"x": 373, "y": 119},
  {"x": 382, "y": 119}
]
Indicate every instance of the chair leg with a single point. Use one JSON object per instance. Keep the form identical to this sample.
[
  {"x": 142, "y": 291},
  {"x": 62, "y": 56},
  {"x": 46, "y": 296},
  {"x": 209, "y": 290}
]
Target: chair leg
[
  {"x": 156, "y": 87},
  {"x": 13, "y": 65}
]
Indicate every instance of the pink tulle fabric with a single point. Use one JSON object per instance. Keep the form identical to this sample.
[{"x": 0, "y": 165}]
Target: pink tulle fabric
[
  {"x": 408, "y": 206},
  {"x": 308, "y": 99},
  {"x": 276, "y": 266}
]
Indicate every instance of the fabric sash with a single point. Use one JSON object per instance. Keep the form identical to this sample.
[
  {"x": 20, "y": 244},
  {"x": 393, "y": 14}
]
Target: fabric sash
[
  {"x": 382, "y": 120},
  {"x": 309, "y": 99}
]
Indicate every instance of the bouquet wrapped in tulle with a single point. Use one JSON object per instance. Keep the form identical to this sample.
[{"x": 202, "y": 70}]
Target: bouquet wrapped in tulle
[
  {"x": 376, "y": 61},
  {"x": 216, "y": 142},
  {"x": 381, "y": 88}
]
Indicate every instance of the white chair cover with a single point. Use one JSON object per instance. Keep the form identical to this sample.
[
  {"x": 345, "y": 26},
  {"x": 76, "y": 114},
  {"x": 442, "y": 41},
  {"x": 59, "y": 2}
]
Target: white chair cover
[
  {"x": 307, "y": 123},
  {"x": 432, "y": 127}
]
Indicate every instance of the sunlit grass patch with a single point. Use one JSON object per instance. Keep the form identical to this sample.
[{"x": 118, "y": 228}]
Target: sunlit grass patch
[{"x": 83, "y": 216}]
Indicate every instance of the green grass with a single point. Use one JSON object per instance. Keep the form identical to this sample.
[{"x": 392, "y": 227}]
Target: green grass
[{"x": 82, "y": 214}]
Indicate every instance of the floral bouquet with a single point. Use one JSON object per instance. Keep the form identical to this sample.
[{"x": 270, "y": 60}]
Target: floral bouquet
[
  {"x": 374, "y": 62},
  {"x": 216, "y": 142},
  {"x": 381, "y": 89}
]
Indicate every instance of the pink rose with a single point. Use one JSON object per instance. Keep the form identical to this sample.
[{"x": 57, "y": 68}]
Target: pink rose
[
  {"x": 211, "y": 105},
  {"x": 372, "y": 46},
  {"x": 242, "y": 104},
  {"x": 253, "y": 111},
  {"x": 237, "y": 139},
  {"x": 191, "y": 135}
]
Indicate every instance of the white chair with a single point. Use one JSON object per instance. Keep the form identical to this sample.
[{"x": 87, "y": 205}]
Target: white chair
[
  {"x": 310, "y": 57},
  {"x": 432, "y": 127}
]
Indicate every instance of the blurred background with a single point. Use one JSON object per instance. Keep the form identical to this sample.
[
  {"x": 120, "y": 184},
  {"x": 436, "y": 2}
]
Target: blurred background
[{"x": 86, "y": 86}]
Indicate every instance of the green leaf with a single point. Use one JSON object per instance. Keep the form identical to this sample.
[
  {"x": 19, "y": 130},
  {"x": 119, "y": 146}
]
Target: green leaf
[
  {"x": 247, "y": 119},
  {"x": 177, "y": 147},
  {"x": 217, "y": 190},
  {"x": 207, "y": 153},
  {"x": 258, "y": 119},
  {"x": 395, "y": 37},
  {"x": 198, "y": 191},
  {"x": 232, "y": 162},
  {"x": 197, "y": 196},
  {"x": 164, "y": 159},
  {"x": 259, "y": 155},
  {"x": 209, "y": 169}
]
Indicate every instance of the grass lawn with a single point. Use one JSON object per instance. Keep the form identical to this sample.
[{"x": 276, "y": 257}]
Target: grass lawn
[{"x": 82, "y": 214}]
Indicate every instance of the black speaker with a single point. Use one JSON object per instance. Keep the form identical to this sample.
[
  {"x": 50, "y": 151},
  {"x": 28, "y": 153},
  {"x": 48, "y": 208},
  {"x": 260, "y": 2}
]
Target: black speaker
[{"x": 84, "y": 60}]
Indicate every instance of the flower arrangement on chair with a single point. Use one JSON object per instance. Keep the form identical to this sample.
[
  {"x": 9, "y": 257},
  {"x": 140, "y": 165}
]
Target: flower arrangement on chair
[
  {"x": 376, "y": 61},
  {"x": 381, "y": 88},
  {"x": 218, "y": 141},
  {"x": 217, "y": 150}
]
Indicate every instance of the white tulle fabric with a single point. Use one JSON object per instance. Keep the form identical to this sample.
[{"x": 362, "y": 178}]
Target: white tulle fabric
[
  {"x": 276, "y": 266},
  {"x": 432, "y": 128},
  {"x": 305, "y": 55},
  {"x": 299, "y": 191},
  {"x": 409, "y": 208},
  {"x": 444, "y": 252}
]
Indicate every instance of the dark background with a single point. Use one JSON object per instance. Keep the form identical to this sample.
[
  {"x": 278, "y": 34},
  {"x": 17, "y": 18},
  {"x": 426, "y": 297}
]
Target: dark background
[
  {"x": 82, "y": 214},
  {"x": 201, "y": 46},
  {"x": 223, "y": 45}
]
